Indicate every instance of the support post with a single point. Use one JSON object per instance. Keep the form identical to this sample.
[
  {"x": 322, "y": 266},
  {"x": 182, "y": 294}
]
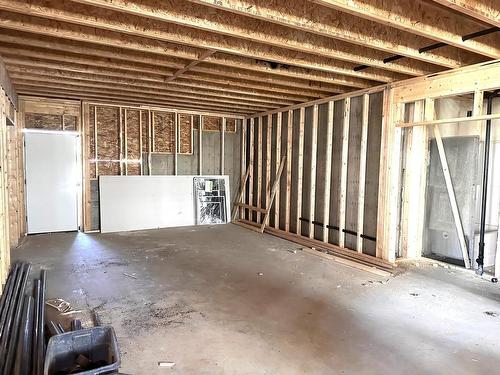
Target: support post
[
  {"x": 362, "y": 172},
  {"x": 222, "y": 145},
  {"x": 343, "y": 171},
  {"x": 200, "y": 146},
  {"x": 259, "y": 167},
  {"x": 288, "y": 170},
  {"x": 279, "y": 120},
  {"x": 312, "y": 171},
  {"x": 300, "y": 166},
  {"x": 328, "y": 171}
]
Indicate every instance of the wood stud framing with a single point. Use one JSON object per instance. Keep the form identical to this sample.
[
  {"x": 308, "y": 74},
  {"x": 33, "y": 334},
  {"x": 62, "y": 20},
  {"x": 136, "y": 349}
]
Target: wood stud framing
[
  {"x": 312, "y": 171},
  {"x": 343, "y": 171},
  {"x": 362, "y": 171}
]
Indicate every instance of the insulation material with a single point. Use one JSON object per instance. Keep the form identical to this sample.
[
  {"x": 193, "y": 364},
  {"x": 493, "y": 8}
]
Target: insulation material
[
  {"x": 70, "y": 123},
  {"x": 43, "y": 121},
  {"x": 185, "y": 134},
  {"x": 163, "y": 132},
  {"x": 108, "y": 141},
  {"x": 211, "y": 123},
  {"x": 133, "y": 142}
]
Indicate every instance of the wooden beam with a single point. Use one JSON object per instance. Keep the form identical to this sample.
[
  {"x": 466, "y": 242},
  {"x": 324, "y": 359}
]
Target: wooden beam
[
  {"x": 449, "y": 120},
  {"x": 362, "y": 172},
  {"x": 421, "y": 18},
  {"x": 84, "y": 92},
  {"x": 328, "y": 171},
  {"x": 315, "y": 20},
  {"x": 259, "y": 210},
  {"x": 429, "y": 114},
  {"x": 312, "y": 171},
  {"x": 189, "y": 32},
  {"x": 279, "y": 120},
  {"x": 300, "y": 167},
  {"x": 288, "y": 170},
  {"x": 170, "y": 95},
  {"x": 142, "y": 51},
  {"x": 484, "y": 10},
  {"x": 343, "y": 171}
]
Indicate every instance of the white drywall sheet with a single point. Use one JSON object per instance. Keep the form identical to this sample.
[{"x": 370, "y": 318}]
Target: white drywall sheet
[
  {"x": 148, "y": 202},
  {"x": 51, "y": 182}
]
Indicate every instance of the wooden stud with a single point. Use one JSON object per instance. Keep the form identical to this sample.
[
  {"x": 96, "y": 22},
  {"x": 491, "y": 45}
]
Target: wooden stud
[
  {"x": 222, "y": 145},
  {"x": 300, "y": 172},
  {"x": 200, "y": 145},
  {"x": 429, "y": 114},
  {"x": 243, "y": 163},
  {"x": 121, "y": 139},
  {"x": 125, "y": 141},
  {"x": 268, "y": 160},
  {"x": 288, "y": 170},
  {"x": 150, "y": 140},
  {"x": 279, "y": 119},
  {"x": 362, "y": 171},
  {"x": 328, "y": 171},
  {"x": 259, "y": 167},
  {"x": 176, "y": 141},
  {"x": 273, "y": 193},
  {"x": 312, "y": 171},
  {"x": 343, "y": 172},
  {"x": 95, "y": 144},
  {"x": 252, "y": 152},
  {"x": 140, "y": 143},
  {"x": 239, "y": 201}
]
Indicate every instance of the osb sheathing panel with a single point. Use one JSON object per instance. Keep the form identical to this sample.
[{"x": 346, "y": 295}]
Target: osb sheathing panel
[
  {"x": 70, "y": 123},
  {"x": 133, "y": 135},
  {"x": 212, "y": 123},
  {"x": 43, "y": 121},
  {"x": 231, "y": 125},
  {"x": 108, "y": 141},
  {"x": 185, "y": 135},
  {"x": 163, "y": 123},
  {"x": 145, "y": 131}
]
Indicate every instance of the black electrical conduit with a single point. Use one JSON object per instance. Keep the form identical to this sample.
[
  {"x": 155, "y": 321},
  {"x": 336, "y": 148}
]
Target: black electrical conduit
[
  {"x": 484, "y": 197},
  {"x": 346, "y": 231},
  {"x": 434, "y": 46}
]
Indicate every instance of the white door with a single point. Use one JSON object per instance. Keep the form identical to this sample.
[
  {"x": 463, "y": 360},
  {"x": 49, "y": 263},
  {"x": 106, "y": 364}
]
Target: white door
[{"x": 51, "y": 182}]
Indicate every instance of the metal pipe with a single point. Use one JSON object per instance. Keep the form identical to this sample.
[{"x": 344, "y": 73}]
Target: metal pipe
[
  {"x": 8, "y": 295},
  {"x": 24, "y": 343},
  {"x": 36, "y": 319},
  {"x": 41, "y": 324},
  {"x": 484, "y": 197},
  {"x": 10, "y": 341}
]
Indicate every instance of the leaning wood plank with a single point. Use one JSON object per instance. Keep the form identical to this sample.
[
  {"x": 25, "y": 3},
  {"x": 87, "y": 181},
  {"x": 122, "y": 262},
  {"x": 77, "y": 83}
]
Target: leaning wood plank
[
  {"x": 243, "y": 184},
  {"x": 347, "y": 262},
  {"x": 451, "y": 192},
  {"x": 343, "y": 172},
  {"x": 362, "y": 172},
  {"x": 279, "y": 120},
  {"x": 312, "y": 171},
  {"x": 273, "y": 192},
  {"x": 328, "y": 171},
  {"x": 259, "y": 167},
  {"x": 300, "y": 167},
  {"x": 288, "y": 170}
]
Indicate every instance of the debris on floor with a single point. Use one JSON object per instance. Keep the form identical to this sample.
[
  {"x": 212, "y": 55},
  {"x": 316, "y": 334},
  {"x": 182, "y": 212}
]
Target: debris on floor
[
  {"x": 492, "y": 314},
  {"x": 166, "y": 364}
]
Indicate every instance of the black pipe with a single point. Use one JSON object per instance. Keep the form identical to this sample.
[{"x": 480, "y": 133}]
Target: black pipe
[
  {"x": 36, "y": 318},
  {"x": 24, "y": 342},
  {"x": 9, "y": 348},
  {"x": 484, "y": 197},
  {"x": 8, "y": 292},
  {"x": 9, "y": 316},
  {"x": 477, "y": 34},
  {"x": 41, "y": 323},
  {"x": 346, "y": 231}
]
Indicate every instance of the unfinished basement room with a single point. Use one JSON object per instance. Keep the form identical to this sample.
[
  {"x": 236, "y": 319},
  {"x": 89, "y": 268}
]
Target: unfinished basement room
[{"x": 250, "y": 187}]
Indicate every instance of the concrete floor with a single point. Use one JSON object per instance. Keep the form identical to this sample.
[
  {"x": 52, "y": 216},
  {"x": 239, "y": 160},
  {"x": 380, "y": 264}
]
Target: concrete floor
[{"x": 226, "y": 300}]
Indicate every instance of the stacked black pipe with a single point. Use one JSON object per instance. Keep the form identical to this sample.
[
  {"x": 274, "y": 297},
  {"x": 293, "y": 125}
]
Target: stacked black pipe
[{"x": 22, "y": 336}]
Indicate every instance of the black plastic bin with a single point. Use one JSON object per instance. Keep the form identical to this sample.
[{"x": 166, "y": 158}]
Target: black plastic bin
[{"x": 98, "y": 345}]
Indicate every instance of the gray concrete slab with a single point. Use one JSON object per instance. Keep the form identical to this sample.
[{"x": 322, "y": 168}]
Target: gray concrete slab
[{"x": 226, "y": 300}]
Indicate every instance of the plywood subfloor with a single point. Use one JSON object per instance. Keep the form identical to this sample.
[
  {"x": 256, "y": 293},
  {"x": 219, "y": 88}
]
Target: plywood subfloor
[{"x": 200, "y": 302}]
